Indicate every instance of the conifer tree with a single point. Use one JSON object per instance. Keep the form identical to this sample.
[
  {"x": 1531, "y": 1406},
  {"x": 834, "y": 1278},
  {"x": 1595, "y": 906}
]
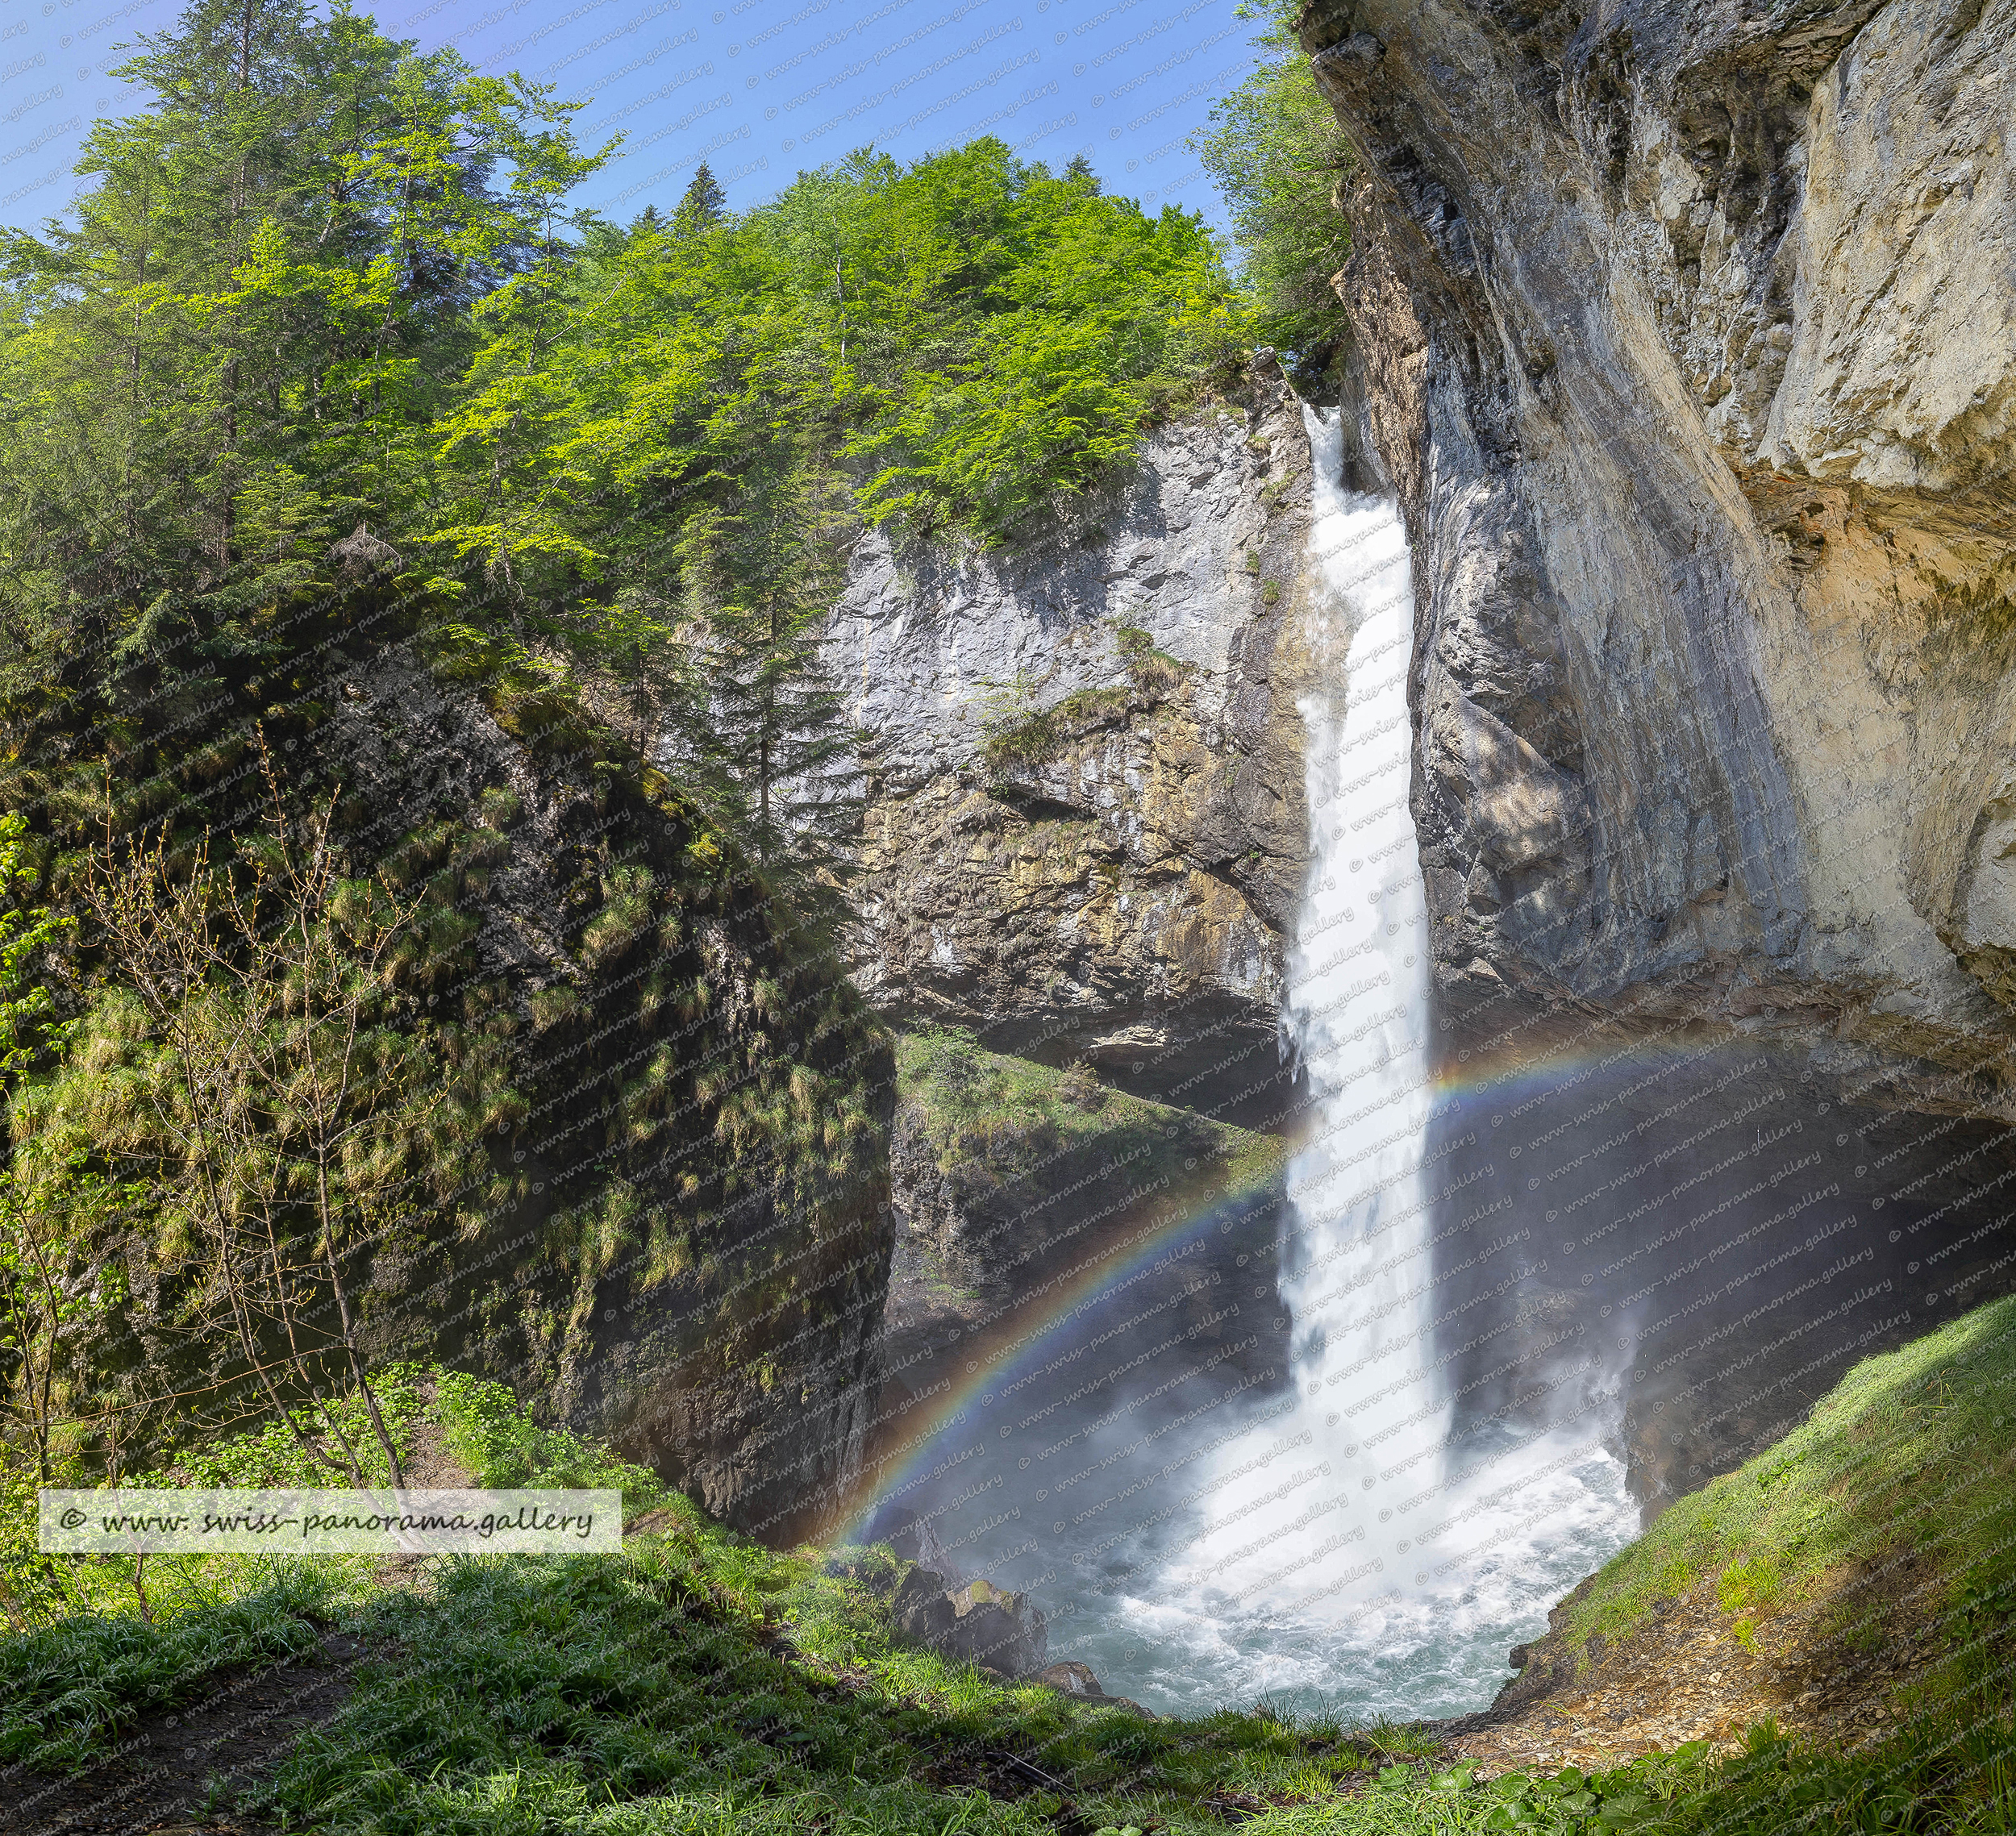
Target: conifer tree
[
  {"x": 760, "y": 576},
  {"x": 232, "y": 356},
  {"x": 702, "y": 205}
]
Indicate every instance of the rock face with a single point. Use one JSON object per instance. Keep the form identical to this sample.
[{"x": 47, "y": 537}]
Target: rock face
[
  {"x": 666, "y": 1223},
  {"x": 1687, "y": 334},
  {"x": 1086, "y": 836},
  {"x": 976, "y": 1622},
  {"x": 691, "y": 1252}
]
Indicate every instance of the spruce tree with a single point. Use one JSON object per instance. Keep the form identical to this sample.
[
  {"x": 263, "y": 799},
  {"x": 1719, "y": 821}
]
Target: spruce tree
[
  {"x": 1079, "y": 172},
  {"x": 703, "y": 205},
  {"x": 760, "y": 575}
]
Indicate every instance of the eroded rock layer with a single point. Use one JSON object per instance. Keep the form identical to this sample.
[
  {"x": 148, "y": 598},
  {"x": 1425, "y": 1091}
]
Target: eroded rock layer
[
  {"x": 1086, "y": 836},
  {"x": 1686, "y": 334}
]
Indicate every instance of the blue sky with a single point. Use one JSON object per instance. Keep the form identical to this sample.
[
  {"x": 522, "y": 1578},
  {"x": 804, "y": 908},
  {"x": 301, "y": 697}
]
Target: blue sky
[{"x": 759, "y": 89}]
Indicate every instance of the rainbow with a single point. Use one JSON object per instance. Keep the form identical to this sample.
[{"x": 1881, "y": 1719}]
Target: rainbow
[
  {"x": 1045, "y": 1317},
  {"x": 1517, "y": 1081}
]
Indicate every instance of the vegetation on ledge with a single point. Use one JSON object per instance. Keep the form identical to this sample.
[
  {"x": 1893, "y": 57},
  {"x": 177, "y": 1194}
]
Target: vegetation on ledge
[
  {"x": 701, "y": 1684},
  {"x": 992, "y": 1117},
  {"x": 1018, "y": 735}
]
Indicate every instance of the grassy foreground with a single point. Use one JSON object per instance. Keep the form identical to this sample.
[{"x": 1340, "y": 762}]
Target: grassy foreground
[
  {"x": 1885, "y": 1523},
  {"x": 698, "y": 1683}
]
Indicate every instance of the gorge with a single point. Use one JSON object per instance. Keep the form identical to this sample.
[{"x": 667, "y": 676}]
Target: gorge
[
  {"x": 1700, "y": 697},
  {"x": 1326, "y": 1022}
]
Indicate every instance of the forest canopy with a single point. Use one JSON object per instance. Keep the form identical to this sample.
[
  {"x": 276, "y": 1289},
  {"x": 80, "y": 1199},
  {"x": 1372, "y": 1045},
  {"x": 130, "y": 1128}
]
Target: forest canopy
[{"x": 331, "y": 289}]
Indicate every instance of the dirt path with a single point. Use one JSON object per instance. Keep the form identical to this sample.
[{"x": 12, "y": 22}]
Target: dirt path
[
  {"x": 235, "y": 1732},
  {"x": 1685, "y": 1676}
]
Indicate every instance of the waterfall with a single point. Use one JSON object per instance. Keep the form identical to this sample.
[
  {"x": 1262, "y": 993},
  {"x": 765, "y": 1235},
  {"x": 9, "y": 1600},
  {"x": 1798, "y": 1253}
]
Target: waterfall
[
  {"x": 1356, "y": 1273},
  {"x": 1346, "y": 1549},
  {"x": 1353, "y": 1530}
]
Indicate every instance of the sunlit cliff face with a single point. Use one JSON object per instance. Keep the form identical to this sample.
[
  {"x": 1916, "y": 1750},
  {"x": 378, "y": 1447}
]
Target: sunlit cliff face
[{"x": 1689, "y": 344}]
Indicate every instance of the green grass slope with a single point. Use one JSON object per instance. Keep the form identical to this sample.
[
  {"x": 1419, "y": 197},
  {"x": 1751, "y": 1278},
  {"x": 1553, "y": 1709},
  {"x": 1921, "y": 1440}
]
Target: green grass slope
[
  {"x": 1884, "y": 1524},
  {"x": 700, "y": 1682}
]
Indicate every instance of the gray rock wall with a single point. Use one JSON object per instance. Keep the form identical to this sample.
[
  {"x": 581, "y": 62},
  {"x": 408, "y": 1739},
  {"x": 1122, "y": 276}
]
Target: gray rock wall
[
  {"x": 1117, "y": 884},
  {"x": 1687, "y": 333}
]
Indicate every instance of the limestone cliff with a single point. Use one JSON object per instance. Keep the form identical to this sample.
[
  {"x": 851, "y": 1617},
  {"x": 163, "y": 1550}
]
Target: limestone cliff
[
  {"x": 1086, "y": 831},
  {"x": 1684, "y": 331},
  {"x": 1687, "y": 333}
]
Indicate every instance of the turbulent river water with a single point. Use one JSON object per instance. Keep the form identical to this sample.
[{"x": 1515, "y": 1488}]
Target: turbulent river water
[{"x": 1348, "y": 1536}]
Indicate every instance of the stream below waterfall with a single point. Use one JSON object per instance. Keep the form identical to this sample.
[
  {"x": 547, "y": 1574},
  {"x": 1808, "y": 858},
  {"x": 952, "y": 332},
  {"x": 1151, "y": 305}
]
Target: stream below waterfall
[{"x": 1351, "y": 1535}]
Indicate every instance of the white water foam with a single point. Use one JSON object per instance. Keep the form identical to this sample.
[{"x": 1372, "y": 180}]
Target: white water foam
[{"x": 1347, "y": 1551}]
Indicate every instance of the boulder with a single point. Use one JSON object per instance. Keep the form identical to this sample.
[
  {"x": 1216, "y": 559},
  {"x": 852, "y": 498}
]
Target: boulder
[
  {"x": 1070, "y": 1678},
  {"x": 977, "y": 1623}
]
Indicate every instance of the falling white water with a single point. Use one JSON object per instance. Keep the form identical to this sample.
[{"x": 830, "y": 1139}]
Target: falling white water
[
  {"x": 1321, "y": 1527},
  {"x": 1344, "y": 1549}
]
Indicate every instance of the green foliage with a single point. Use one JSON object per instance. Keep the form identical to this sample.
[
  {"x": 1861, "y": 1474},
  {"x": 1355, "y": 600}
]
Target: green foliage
[
  {"x": 1743, "y": 1589},
  {"x": 47, "y": 1294},
  {"x": 992, "y": 1117},
  {"x": 1907, "y": 1463},
  {"x": 67, "y": 1690},
  {"x": 488, "y": 1432},
  {"x": 269, "y": 1456},
  {"x": 26, "y": 1006},
  {"x": 991, "y": 335},
  {"x": 476, "y": 1422},
  {"x": 234, "y": 355},
  {"x": 1062, "y": 321},
  {"x": 265, "y": 1066},
  {"x": 1154, "y": 672},
  {"x": 1034, "y": 739},
  {"x": 1277, "y": 152}
]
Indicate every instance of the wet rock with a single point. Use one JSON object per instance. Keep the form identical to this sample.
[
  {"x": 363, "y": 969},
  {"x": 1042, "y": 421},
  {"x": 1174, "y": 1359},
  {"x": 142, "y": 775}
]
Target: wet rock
[
  {"x": 1546, "y": 1664},
  {"x": 921, "y": 1609},
  {"x": 1076, "y": 1680},
  {"x": 1686, "y": 337},
  {"x": 977, "y": 1623},
  {"x": 1070, "y": 1678}
]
